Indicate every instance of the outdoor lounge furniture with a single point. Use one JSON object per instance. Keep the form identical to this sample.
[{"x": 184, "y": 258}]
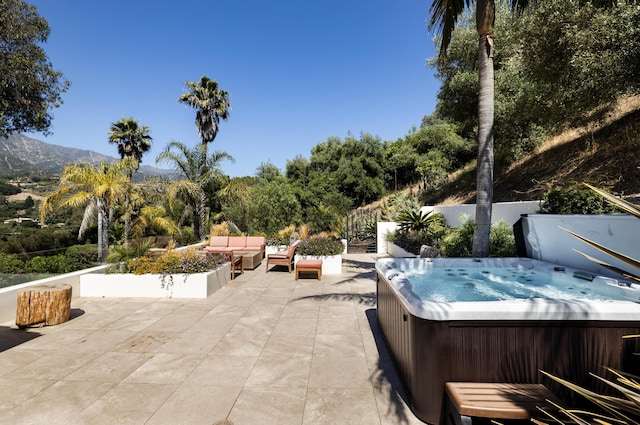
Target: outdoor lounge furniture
[
  {"x": 237, "y": 263},
  {"x": 236, "y": 244},
  {"x": 309, "y": 266},
  {"x": 491, "y": 400},
  {"x": 283, "y": 257}
]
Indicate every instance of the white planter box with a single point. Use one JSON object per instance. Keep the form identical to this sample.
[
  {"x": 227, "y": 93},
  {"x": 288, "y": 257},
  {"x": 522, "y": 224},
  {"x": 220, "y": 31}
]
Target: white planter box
[
  {"x": 331, "y": 264},
  {"x": 272, "y": 249},
  {"x": 196, "y": 285}
]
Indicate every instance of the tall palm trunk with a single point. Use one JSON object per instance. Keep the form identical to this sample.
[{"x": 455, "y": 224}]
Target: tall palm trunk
[
  {"x": 103, "y": 231},
  {"x": 127, "y": 219},
  {"x": 485, "y": 15},
  {"x": 202, "y": 213}
]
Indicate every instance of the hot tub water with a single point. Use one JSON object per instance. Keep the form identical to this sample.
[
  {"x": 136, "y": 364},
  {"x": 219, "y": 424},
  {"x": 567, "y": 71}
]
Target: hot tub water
[{"x": 451, "y": 284}]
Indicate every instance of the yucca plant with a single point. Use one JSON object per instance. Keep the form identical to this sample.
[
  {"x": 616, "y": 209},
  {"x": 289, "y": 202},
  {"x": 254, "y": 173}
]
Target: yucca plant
[
  {"x": 624, "y": 409},
  {"x": 626, "y": 207}
]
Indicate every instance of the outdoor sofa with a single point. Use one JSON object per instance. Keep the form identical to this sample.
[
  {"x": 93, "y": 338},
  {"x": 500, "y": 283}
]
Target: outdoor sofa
[{"x": 236, "y": 244}]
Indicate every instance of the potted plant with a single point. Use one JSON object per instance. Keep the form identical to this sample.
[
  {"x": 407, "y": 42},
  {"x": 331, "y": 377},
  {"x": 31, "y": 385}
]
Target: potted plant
[
  {"x": 327, "y": 249},
  {"x": 170, "y": 274}
]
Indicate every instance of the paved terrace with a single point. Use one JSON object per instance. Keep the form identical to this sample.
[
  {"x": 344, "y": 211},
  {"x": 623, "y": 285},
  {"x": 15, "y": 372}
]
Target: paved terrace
[{"x": 266, "y": 349}]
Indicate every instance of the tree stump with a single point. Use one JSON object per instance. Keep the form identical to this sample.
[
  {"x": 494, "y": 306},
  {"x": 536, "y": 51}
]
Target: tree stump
[{"x": 43, "y": 305}]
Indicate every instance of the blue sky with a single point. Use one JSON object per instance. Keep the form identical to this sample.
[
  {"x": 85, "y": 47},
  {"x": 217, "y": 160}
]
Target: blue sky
[{"x": 297, "y": 72}]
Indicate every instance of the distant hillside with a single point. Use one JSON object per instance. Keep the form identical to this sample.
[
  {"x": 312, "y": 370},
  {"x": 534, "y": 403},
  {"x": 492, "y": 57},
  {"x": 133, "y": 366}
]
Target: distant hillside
[{"x": 21, "y": 155}]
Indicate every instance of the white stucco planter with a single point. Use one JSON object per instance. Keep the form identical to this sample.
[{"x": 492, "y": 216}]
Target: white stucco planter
[
  {"x": 272, "y": 249},
  {"x": 196, "y": 285},
  {"x": 331, "y": 264}
]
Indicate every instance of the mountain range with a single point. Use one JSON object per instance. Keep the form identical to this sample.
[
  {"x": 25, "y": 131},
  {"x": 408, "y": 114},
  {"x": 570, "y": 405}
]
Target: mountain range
[{"x": 21, "y": 155}]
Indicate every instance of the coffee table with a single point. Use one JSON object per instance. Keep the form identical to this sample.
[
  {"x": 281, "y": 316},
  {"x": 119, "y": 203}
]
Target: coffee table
[{"x": 251, "y": 260}]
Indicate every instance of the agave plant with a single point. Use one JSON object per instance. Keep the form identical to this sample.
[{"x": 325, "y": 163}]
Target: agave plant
[{"x": 414, "y": 221}]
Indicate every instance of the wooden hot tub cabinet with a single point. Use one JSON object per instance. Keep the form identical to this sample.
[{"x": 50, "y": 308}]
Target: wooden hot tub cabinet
[{"x": 429, "y": 353}]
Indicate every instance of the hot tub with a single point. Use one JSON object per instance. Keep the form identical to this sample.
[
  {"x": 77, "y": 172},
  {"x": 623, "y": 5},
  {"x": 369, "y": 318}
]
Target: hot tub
[{"x": 502, "y": 340}]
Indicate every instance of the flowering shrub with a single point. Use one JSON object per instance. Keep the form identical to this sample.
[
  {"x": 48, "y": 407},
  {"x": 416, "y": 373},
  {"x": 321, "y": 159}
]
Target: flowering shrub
[
  {"x": 320, "y": 246},
  {"x": 174, "y": 262}
]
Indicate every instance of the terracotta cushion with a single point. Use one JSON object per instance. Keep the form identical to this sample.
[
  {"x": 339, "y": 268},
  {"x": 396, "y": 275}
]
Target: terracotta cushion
[
  {"x": 219, "y": 241},
  {"x": 237, "y": 241}
]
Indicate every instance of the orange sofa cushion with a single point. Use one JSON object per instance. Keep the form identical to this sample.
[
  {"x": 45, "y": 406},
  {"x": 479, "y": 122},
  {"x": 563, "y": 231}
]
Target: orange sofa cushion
[{"x": 218, "y": 241}]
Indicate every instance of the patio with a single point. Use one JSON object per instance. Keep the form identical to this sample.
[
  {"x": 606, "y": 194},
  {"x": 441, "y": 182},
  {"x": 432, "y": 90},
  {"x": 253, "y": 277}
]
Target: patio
[{"x": 265, "y": 349}]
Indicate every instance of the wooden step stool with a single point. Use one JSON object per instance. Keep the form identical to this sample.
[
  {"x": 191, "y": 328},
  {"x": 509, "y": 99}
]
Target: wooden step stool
[
  {"x": 309, "y": 266},
  {"x": 510, "y": 403}
]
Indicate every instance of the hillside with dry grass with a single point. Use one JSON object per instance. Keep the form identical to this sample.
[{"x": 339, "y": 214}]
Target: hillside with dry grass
[{"x": 608, "y": 156}]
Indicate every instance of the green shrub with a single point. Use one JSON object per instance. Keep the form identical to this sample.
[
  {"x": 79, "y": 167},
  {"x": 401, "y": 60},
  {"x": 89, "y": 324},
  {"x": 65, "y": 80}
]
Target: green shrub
[
  {"x": 11, "y": 264},
  {"x": 458, "y": 242},
  {"x": 320, "y": 246},
  {"x": 174, "y": 262},
  {"x": 81, "y": 256},
  {"x": 502, "y": 242},
  {"x": 55, "y": 264},
  {"x": 574, "y": 199}
]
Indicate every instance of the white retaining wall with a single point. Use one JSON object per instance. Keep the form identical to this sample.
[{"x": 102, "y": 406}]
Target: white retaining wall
[
  {"x": 545, "y": 240},
  {"x": 9, "y": 295},
  {"x": 456, "y": 215}
]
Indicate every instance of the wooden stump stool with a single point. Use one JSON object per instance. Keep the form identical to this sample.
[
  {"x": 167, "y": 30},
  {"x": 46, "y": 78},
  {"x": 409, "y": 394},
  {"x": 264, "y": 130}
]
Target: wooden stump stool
[{"x": 43, "y": 305}]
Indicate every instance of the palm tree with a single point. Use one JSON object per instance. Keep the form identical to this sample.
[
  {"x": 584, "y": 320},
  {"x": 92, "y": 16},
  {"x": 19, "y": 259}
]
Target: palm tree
[
  {"x": 154, "y": 217},
  {"x": 133, "y": 141},
  {"x": 211, "y": 103},
  {"x": 444, "y": 15},
  {"x": 198, "y": 174},
  {"x": 97, "y": 189}
]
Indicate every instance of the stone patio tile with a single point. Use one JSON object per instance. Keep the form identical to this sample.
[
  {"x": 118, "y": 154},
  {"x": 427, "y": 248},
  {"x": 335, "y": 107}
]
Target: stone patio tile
[
  {"x": 280, "y": 372},
  {"x": 282, "y": 344},
  {"x": 126, "y": 404},
  {"x": 294, "y": 310},
  {"x": 145, "y": 342},
  {"x": 165, "y": 368},
  {"x": 16, "y": 358},
  {"x": 339, "y": 344},
  {"x": 247, "y": 338},
  {"x": 196, "y": 405},
  {"x": 338, "y": 325},
  {"x": 99, "y": 341},
  {"x": 299, "y": 326},
  {"x": 192, "y": 342},
  {"x": 344, "y": 406},
  {"x": 217, "y": 324},
  {"x": 173, "y": 322},
  {"x": 55, "y": 365},
  {"x": 109, "y": 367},
  {"x": 339, "y": 372},
  {"x": 57, "y": 404},
  {"x": 222, "y": 371},
  {"x": 269, "y": 406},
  {"x": 14, "y": 392}
]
